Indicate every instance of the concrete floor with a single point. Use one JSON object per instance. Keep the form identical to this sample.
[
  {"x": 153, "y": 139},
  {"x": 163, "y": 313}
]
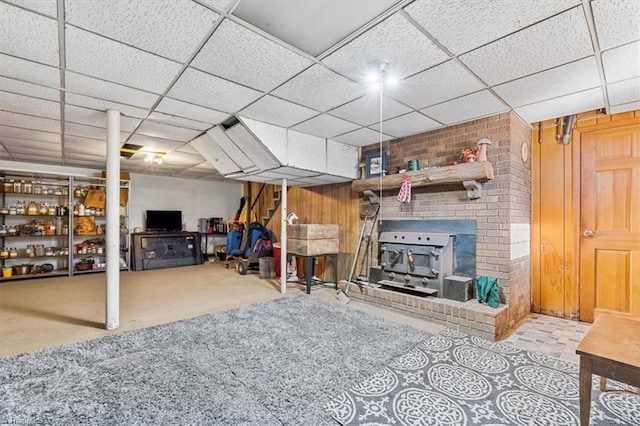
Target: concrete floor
[{"x": 45, "y": 312}]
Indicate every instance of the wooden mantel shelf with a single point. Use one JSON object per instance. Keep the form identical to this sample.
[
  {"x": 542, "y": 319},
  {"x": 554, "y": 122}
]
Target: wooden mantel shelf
[{"x": 480, "y": 171}]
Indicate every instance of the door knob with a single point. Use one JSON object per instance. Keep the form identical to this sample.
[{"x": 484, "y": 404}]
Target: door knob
[{"x": 589, "y": 233}]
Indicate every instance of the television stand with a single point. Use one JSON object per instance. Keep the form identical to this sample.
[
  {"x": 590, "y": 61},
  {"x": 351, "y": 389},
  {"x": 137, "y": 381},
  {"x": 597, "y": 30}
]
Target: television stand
[{"x": 158, "y": 250}]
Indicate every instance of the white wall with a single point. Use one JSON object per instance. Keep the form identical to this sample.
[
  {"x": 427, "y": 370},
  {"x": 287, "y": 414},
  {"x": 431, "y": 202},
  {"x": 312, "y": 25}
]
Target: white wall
[{"x": 196, "y": 198}]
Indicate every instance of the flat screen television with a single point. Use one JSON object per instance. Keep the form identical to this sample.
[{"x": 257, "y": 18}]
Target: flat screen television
[{"x": 164, "y": 221}]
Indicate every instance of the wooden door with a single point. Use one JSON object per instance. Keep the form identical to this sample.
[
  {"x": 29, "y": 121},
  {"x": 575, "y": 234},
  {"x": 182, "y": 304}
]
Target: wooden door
[{"x": 610, "y": 221}]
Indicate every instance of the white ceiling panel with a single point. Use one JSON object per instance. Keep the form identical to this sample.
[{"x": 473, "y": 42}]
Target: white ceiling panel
[
  {"x": 91, "y": 132},
  {"x": 366, "y": 110},
  {"x": 154, "y": 144},
  {"x": 209, "y": 91},
  {"x": 43, "y": 158},
  {"x": 625, "y": 107},
  {"x": 438, "y": 84},
  {"x": 84, "y": 85},
  {"x": 320, "y": 89},
  {"x": 29, "y": 122},
  {"x": 617, "y": 22},
  {"x": 182, "y": 158},
  {"x": 622, "y": 63},
  {"x": 562, "y": 106},
  {"x": 395, "y": 40},
  {"x": 187, "y": 110},
  {"x": 96, "y": 118},
  {"x": 104, "y": 105},
  {"x": 290, "y": 171},
  {"x": 556, "y": 41},
  {"x": 311, "y": 26},
  {"x": 26, "y": 150},
  {"x": 325, "y": 126},
  {"x": 28, "y": 35},
  {"x": 34, "y": 135},
  {"x": 31, "y": 72},
  {"x": 109, "y": 60},
  {"x": 188, "y": 149},
  {"x": 220, "y": 5},
  {"x": 270, "y": 109},
  {"x": 178, "y": 121},
  {"x": 408, "y": 124},
  {"x": 29, "y": 105},
  {"x": 80, "y": 144},
  {"x": 31, "y": 144},
  {"x": 476, "y": 105},
  {"x": 235, "y": 53},
  {"x": 29, "y": 89},
  {"x": 206, "y": 167},
  {"x": 477, "y": 23},
  {"x": 361, "y": 137},
  {"x": 574, "y": 77},
  {"x": 624, "y": 92},
  {"x": 47, "y": 7},
  {"x": 173, "y": 29},
  {"x": 84, "y": 163},
  {"x": 165, "y": 131}
]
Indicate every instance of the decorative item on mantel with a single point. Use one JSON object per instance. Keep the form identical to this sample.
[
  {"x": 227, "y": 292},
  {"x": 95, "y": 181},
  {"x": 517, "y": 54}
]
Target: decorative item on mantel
[
  {"x": 482, "y": 149},
  {"x": 404, "y": 196},
  {"x": 468, "y": 155}
]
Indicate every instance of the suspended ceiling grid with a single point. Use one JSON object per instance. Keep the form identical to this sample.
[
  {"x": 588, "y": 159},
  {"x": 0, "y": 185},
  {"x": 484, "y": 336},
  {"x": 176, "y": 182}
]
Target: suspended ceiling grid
[{"x": 177, "y": 68}]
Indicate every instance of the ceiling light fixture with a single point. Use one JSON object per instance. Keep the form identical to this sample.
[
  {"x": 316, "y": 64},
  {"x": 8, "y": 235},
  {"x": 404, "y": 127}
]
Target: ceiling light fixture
[{"x": 153, "y": 158}]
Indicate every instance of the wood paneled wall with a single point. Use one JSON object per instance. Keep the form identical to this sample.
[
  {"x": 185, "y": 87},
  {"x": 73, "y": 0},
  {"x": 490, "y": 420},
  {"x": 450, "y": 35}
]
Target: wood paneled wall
[
  {"x": 325, "y": 204},
  {"x": 554, "y": 239}
]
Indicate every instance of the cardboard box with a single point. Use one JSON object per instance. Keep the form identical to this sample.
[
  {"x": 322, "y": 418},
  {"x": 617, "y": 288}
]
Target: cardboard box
[{"x": 312, "y": 239}]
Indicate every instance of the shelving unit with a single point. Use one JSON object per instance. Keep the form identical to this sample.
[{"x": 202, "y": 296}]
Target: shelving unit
[{"x": 48, "y": 240}]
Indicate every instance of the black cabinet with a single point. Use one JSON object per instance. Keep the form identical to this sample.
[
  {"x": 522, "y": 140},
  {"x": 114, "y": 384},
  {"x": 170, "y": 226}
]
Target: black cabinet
[{"x": 157, "y": 250}]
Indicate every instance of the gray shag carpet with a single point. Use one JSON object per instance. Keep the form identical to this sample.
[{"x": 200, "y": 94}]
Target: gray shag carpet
[{"x": 273, "y": 363}]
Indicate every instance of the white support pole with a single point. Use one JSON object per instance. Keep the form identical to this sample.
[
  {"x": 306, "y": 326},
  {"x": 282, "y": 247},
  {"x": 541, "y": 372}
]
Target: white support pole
[
  {"x": 112, "y": 233},
  {"x": 283, "y": 239}
]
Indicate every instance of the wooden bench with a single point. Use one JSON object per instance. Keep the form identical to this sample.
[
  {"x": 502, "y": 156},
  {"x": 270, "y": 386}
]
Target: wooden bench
[{"x": 610, "y": 349}]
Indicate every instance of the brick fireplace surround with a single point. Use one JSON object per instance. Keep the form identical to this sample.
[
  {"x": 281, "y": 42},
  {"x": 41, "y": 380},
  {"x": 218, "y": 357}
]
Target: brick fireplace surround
[{"x": 502, "y": 215}]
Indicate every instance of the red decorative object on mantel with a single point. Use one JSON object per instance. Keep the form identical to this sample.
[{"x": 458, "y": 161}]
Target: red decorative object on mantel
[{"x": 469, "y": 155}]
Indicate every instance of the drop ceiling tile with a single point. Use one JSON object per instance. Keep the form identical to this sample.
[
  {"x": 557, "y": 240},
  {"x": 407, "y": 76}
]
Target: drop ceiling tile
[
  {"x": 241, "y": 55},
  {"x": 476, "y": 105},
  {"x": 41, "y": 150},
  {"x": 104, "y": 105},
  {"x": 173, "y": 29},
  {"x": 446, "y": 81},
  {"x": 14, "y": 132},
  {"x": 178, "y": 121},
  {"x": 28, "y": 105},
  {"x": 320, "y": 89},
  {"x": 325, "y": 126},
  {"x": 562, "y": 106},
  {"x": 79, "y": 144},
  {"x": 574, "y": 77},
  {"x": 88, "y": 164},
  {"x": 93, "y": 87},
  {"x": 291, "y": 171},
  {"x": 91, "y": 132},
  {"x": 42, "y": 158},
  {"x": 624, "y": 92},
  {"x": 106, "y": 59},
  {"x": 29, "y": 89},
  {"x": 182, "y": 158},
  {"x": 154, "y": 144},
  {"x": 556, "y": 41},
  {"x": 406, "y": 125},
  {"x": 84, "y": 156},
  {"x": 366, "y": 110},
  {"x": 361, "y": 137},
  {"x": 194, "y": 112},
  {"x": 29, "y": 71},
  {"x": 47, "y": 7},
  {"x": 207, "y": 90},
  {"x": 206, "y": 167},
  {"x": 624, "y": 107},
  {"x": 616, "y": 22},
  {"x": 92, "y": 117},
  {"x": 165, "y": 131},
  {"x": 270, "y": 109},
  {"x": 220, "y": 5},
  {"x": 29, "y": 122},
  {"x": 28, "y": 143},
  {"x": 622, "y": 63},
  {"x": 28, "y": 35},
  {"x": 461, "y": 25},
  {"x": 395, "y": 40}
]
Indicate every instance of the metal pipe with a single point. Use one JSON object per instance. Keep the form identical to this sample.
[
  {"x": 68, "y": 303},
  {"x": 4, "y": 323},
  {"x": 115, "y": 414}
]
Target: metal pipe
[{"x": 568, "y": 125}]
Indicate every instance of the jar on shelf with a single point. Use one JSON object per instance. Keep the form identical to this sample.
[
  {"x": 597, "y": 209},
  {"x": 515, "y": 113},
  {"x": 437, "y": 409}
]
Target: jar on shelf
[
  {"x": 32, "y": 208},
  {"x": 12, "y": 231},
  {"x": 3, "y": 230},
  {"x": 7, "y": 186},
  {"x": 13, "y": 210},
  {"x": 52, "y": 210},
  {"x": 4, "y": 252},
  {"x": 17, "y": 186},
  {"x": 21, "y": 207},
  {"x": 27, "y": 187},
  {"x": 13, "y": 253},
  {"x": 44, "y": 208},
  {"x": 65, "y": 229},
  {"x": 40, "y": 250},
  {"x": 37, "y": 188},
  {"x": 4, "y": 210}
]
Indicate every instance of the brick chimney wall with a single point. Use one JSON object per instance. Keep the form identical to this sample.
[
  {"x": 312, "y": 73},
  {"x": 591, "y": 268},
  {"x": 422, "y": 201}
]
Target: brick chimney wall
[{"x": 502, "y": 214}]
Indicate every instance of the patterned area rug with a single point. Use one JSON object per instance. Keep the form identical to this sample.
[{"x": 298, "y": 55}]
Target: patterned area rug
[{"x": 457, "y": 379}]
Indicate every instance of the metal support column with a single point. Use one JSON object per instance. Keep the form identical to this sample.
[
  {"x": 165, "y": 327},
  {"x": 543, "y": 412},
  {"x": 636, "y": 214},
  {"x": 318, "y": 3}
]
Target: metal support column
[{"x": 112, "y": 234}]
